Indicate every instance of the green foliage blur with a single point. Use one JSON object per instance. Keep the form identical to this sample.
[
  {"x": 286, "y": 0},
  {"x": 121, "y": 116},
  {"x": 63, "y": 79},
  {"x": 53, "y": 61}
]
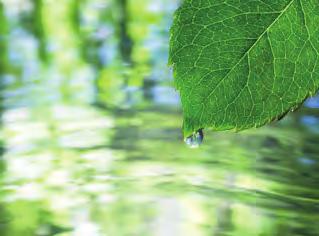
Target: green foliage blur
[{"x": 91, "y": 141}]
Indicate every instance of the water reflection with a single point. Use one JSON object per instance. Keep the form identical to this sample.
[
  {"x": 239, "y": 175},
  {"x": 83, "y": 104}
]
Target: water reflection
[{"x": 91, "y": 141}]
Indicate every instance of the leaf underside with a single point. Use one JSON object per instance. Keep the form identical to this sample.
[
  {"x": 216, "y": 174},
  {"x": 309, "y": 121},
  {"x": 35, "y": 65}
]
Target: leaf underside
[{"x": 241, "y": 64}]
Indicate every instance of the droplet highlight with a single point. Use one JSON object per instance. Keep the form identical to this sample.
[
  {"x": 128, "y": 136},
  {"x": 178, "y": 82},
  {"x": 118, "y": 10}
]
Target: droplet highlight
[{"x": 195, "y": 140}]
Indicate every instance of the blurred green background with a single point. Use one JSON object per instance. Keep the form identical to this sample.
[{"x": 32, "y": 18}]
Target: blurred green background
[{"x": 90, "y": 138}]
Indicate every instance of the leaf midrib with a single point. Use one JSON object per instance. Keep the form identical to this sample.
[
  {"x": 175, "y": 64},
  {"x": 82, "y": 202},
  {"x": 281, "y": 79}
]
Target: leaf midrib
[{"x": 257, "y": 40}]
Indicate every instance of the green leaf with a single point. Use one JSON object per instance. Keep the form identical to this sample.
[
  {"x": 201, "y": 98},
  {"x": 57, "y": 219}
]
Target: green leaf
[{"x": 241, "y": 64}]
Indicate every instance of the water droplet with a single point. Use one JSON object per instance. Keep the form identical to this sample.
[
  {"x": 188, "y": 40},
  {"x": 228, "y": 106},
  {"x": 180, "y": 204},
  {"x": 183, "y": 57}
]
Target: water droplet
[{"x": 195, "y": 140}]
